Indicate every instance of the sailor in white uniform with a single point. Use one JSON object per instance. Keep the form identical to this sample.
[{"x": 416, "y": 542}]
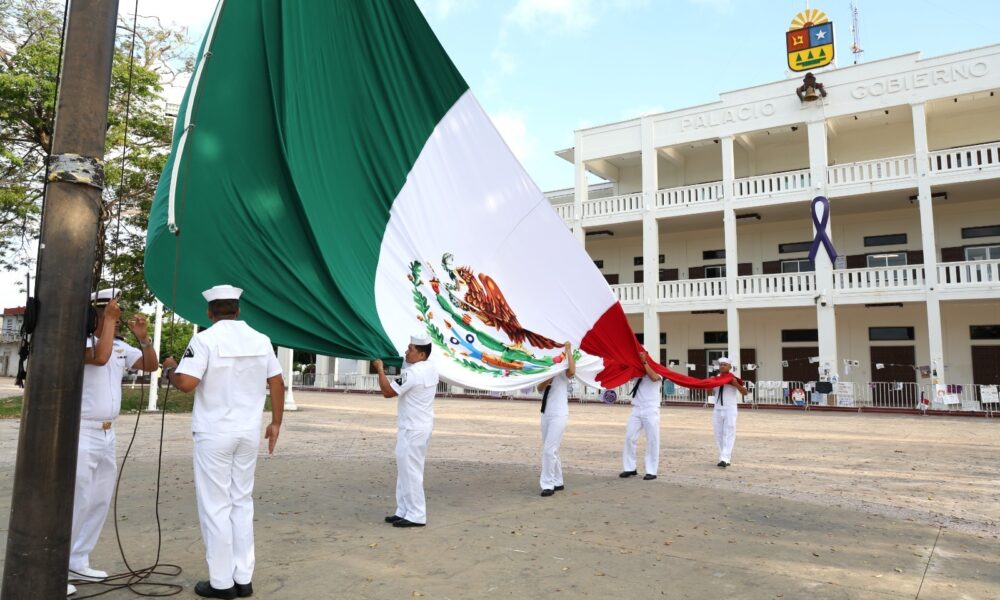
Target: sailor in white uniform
[
  {"x": 555, "y": 411},
  {"x": 645, "y": 417},
  {"x": 106, "y": 359},
  {"x": 415, "y": 388},
  {"x": 727, "y": 398},
  {"x": 227, "y": 366}
]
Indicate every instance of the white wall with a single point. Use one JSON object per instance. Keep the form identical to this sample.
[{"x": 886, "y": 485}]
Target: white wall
[
  {"x": 951, "y": 217},
  {"x": 956, "y": 318},
  {"x": 618, "y": 255},
  {"x": 880, "y": 141}
]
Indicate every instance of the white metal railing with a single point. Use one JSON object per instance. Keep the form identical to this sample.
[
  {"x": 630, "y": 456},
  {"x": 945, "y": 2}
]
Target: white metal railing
[
  {"x": 775, "y": 183},
  {"x": 615, "y": 205},
  {"x": 868, "y": 171},
  {"x": 628, "y": 293},
  {"x": 689, "y": 194},
  {"x": 970, "y": 272},
  {"x": 967, "y": 157},
  {"x": 777, "y": 284},
  {"x": 691, "y": 289},
  {"x": 909, "y": 277},
  {"x": 7, "y": 338},
  {"x": 565, "y": 211},
  {"x": 362, "y": 381}
]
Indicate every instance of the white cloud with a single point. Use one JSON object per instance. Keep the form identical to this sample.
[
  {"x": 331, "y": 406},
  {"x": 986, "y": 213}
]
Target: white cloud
[
  {"x": 442, "y": 9},
  {"x": 514, "y": 130},
  {"x": 640, "y": 111},
  {"x": 570, "y": 15},
  {"x": 719, "y": 6}
]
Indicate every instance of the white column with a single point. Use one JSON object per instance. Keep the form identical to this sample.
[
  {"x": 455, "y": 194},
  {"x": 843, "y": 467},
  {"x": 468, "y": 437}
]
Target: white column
[
  {"x": 580, "y": 189},
  {"x": 154, "y": 377},
  {"x": 826, "y": 316},
  {"x": 322, "y": 372},
  {"x": 286, "y": 358},
  {"x": 928, "y": 243},
  {"x": 650, "y": 244},
  {"x": 731, "y": 246}
]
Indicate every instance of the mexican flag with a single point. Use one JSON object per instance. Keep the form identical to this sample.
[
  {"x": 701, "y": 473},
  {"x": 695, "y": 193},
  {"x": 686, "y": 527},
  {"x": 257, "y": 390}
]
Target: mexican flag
[{"x": 330, "y": 159}]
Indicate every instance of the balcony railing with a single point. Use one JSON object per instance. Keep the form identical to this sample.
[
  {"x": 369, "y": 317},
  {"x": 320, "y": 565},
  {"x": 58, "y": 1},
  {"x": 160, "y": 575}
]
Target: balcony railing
[
  {"x": 775, "y": 183},
  {"x": 965, "y": 158},
  {"x": 896, "y": 168},
  {"x": 972, "y": 272},
  {"x": 870, "y": 171},
  {"x": 689, "y": 194},
  {"x": 691, "y": 289},
  {"x": 615, "y": 205},
  {"x": 565, "y": 211},
  {"x": 779, "y": 284},
  {"x": 628, "y": 293},
  {"x": 910, "y": 277}
]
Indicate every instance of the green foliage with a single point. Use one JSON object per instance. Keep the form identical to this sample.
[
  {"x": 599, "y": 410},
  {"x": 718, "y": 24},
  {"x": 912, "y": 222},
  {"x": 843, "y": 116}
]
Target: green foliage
[
  {"x": 30, "y": 33},
  {"x": 175, "y": 401}
]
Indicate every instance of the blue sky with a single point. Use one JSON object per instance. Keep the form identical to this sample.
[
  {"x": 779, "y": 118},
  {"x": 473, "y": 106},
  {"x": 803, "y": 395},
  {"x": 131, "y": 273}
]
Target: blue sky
[{"x": 544, "y": 68}]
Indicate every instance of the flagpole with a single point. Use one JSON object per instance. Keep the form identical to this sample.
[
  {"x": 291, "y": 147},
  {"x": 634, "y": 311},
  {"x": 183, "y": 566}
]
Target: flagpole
[
  {"x": 41, "y": 515},
  {"x": 154, "y": 377},
  {"x": 289, "y": 396}
]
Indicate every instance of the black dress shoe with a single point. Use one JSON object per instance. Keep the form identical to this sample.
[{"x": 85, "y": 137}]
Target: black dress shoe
[
  {"x": 394, "y": 518},
  {"x": 205, "y": 590},
  {"x": 547, "y": 492},
  {"x": 728, "y": 463},
  {"x": 405, "y": 523},
  {"x": 722, "y": 464},
  {"x": 244, "y": 590},
  {"x": 648, "y": 476},
  {"x": 559, "y": 488},
  {"x": 625, "y": 474}
]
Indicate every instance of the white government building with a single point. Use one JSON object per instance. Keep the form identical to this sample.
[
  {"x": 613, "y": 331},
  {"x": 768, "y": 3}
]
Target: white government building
[{"x": 702, "y": 228}]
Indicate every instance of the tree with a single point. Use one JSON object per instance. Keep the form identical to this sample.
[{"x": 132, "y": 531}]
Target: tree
[{"x": 30, "y": 33}]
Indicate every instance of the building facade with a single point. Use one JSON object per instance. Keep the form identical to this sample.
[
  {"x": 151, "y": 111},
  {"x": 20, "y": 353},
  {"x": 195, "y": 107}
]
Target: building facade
[
  {"x": 703, "y": 226},
  {"x": 10, "y": 340}
]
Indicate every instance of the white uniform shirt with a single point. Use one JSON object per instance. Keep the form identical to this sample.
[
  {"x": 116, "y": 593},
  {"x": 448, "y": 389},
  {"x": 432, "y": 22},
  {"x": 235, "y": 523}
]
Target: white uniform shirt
[
  {"x": 648, "y": 395},
  {"x": 730, "y": 397},
  {"x": 416, "y": 387},
  {"x": 233, "y": 362},
  {"x": 102, "y": 384},
  {"x": 557, "y": 403}
]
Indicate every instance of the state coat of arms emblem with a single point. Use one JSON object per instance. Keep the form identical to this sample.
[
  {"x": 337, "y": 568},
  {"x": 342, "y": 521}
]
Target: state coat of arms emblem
[{"x": 809, "y": 41}]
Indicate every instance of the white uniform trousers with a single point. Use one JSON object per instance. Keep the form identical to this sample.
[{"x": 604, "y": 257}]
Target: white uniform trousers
[
  {"x": 648, "y": 422},
  {"x": 95, "y": 484},
  {"x": 224, "y": 465},
  {"x": 411, "y": 450},
  {"x": 552, "y": 433},
  {"x": 724, "y": 424}
]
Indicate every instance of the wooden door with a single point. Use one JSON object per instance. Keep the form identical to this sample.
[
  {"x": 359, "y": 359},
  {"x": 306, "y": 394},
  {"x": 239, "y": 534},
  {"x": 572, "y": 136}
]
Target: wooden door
[
  {"x": 985, "y": 366},
  {"x": 799, "y": 368},
  {"x": 898, "y": 369}
]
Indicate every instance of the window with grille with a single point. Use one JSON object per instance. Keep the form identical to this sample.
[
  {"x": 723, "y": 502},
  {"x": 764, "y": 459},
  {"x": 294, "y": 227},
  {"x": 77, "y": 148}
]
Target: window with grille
[{"x": 800, "y": 265}]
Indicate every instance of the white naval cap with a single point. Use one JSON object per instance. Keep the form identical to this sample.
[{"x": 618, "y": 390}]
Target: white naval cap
[
  {"x": 420, "y": 339},
  {"x": 102, "y": 296},
  {"x": 222, "y": 292},
  {"x": 725, "y": 359}
]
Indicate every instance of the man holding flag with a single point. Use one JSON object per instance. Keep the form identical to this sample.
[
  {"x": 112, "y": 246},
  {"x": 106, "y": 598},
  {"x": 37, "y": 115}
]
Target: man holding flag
[{"x": 645, "y": 417}]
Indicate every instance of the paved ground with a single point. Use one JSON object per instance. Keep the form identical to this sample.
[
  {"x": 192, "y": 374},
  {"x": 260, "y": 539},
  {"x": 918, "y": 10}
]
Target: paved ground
[
  {"x": 816, "y": 505},
  {"x": 8, "y": 389}
]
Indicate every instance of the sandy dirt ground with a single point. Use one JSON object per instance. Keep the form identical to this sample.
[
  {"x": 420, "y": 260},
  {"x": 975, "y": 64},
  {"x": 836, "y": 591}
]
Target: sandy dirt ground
[{"x": 816, "y": 505}]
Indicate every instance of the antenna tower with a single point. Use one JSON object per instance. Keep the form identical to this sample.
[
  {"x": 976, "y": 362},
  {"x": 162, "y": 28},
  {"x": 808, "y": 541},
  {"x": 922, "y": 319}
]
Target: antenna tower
[{"x": 856, "y": 33}]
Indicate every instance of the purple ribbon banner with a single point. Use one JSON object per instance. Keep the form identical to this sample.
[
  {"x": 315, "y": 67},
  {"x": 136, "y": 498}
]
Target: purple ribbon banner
[{"x": 820, "y": 210}]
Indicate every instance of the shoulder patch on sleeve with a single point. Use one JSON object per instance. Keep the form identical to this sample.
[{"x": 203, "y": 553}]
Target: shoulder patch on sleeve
[{"x": 189, "y": 353}]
